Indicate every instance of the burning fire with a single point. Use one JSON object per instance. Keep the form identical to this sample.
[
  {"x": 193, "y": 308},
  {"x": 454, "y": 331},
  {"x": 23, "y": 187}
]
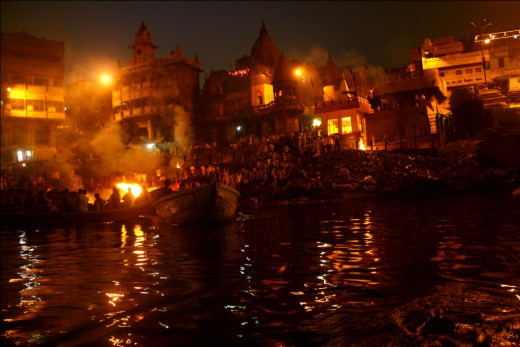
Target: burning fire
[
  {"x": 178, "y": 165},
  {"x": 123, "y": 188},
  {"x": 361, "y": 145}
]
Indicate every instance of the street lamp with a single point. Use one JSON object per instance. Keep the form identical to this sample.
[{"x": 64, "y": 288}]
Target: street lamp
[{"x": 481, "y": 27}]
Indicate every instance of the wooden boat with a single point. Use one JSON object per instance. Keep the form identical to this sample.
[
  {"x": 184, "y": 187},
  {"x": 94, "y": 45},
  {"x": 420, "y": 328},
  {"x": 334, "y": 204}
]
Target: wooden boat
[
  {"x": 49, "y": 219},
  {"x": 210, "y": 203}
]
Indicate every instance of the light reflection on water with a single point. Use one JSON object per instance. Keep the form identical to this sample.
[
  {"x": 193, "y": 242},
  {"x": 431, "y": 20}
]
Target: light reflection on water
[{"x": 350, "y": 273}]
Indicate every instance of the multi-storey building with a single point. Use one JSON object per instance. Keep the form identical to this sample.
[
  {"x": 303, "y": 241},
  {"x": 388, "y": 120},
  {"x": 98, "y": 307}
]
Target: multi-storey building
[
  {"x": 456, "y": 65},
  {"x": 410, "y": 111},
  {"x": 269, "y": 94},
  {"x": 489, "y": 61},
  {"x": 257, "y": 98},
  {"x": 152, "y": 96},
  {"x": 32, "y": 75}
]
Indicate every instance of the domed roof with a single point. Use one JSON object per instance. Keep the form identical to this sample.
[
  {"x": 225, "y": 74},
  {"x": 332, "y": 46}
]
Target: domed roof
[{"x": 265, "y": 51}]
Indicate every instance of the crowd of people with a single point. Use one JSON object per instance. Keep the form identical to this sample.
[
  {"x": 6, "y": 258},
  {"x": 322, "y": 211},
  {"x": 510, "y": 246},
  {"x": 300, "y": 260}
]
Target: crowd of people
[
  {"x": 273, "y": 159},
  {"x": 276, "y": 160},
  {"x": 69, "y": 201}
]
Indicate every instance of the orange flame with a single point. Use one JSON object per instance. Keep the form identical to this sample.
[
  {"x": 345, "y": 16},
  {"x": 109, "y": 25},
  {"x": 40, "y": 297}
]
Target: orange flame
[
  {"x": 123, "y": 188},
  {"x": 361, "y": 145}
]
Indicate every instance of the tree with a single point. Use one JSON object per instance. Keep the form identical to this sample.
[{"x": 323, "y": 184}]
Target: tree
[{"x": 468, "y": 112}]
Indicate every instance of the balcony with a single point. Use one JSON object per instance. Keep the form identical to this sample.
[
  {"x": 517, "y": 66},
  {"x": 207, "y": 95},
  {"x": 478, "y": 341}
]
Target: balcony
[
  {"x": 355, "y": 102},
  {"x": 280, "y": 103},
  {"x": 454, "y": 60}
]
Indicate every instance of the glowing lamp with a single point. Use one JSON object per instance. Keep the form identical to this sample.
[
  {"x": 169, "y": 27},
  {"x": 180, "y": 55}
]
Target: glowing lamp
[{"x": 239, "y": 128}]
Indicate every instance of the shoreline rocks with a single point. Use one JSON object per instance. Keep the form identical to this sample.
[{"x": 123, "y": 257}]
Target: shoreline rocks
[{"x": 342, "y": 174}]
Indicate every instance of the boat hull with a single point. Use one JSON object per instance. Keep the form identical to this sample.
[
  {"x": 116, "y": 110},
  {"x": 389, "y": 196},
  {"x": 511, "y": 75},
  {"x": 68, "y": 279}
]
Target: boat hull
[{"x": 210, "y": 203}]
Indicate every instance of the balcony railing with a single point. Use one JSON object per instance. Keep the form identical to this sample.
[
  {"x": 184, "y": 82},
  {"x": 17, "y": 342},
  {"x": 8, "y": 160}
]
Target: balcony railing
[{"x": 283, "y": 102}]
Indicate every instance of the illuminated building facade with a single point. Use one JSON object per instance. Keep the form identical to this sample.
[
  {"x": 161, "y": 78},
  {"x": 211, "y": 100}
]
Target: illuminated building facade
[
  {"x": 463, "y": 67},
  {"x": 342, "y": 111},
  {"x": 242, "y": 102},
  {"x": 151, "y": 95},
  {"x": 409, "y": 109},
  {"x": 32, "y": 76},
  {"x": 269, "y": 94}
]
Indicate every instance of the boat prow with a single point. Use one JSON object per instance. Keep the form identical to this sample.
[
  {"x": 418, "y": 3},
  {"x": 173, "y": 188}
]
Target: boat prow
[{"x": 210, "y": 203}]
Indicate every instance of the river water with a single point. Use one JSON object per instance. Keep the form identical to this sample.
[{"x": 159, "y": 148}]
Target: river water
[{"x": 364, "y": 272}]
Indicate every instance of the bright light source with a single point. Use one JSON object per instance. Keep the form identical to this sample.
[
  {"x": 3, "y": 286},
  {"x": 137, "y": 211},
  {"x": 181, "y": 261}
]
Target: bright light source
[
  {"x": 487, "y": 41},
  {"x": 150, "y": 145},
  {"x": 123, "y": 188},
  {"x": 316, "y": 122},
  {"x": 298, "y": 72},
  {"x": 105, "y": 79},
  {"x": 239, "y": 128},
  {"x": 19, "y": 155},
  {"x": 9, "y": 88}
]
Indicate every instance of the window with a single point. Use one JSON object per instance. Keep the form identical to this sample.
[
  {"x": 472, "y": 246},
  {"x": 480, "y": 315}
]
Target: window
[
  {"x": 40, "y": 81},
  {"x": 346, "y": 125},
  {"x": 501, "y": 62},
  {"x": 469, "y": 71},
  {"x": 54, "y": 106},
  {"x": 35, "y": 105},
  {"x": 458, "y": 72},
  {"x": 333, "y": 126},
  {"x": 478, "y": 69},
  {"x": 442, "y": 74},
  {"x": 17, "y": 104},
  {"x": 18, "y": 80}
]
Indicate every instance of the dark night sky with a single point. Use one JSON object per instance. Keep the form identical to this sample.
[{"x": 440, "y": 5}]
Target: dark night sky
[{"x": 379, "y": 33}]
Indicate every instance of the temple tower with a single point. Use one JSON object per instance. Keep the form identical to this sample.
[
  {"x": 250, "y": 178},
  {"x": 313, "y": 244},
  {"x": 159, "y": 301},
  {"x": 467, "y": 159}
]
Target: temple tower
[
  {"x": 264, "y": 57},
  {"x": 143, "y": 47}
]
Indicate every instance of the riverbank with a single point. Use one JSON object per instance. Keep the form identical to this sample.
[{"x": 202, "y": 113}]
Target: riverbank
[{"x": 459, "y": 167}]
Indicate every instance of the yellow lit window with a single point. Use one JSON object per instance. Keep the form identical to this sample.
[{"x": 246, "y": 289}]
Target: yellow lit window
[
  {"x": 346, "y": 125},
  {"x": 333, "y": 126}
]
